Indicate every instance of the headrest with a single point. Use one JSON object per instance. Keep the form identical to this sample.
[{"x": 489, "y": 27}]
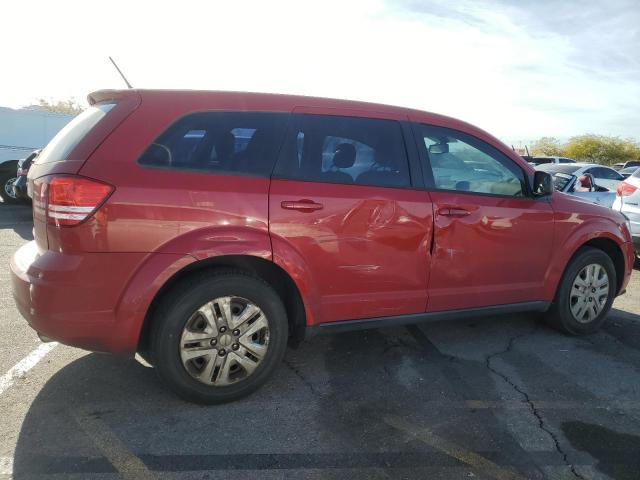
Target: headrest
[
  {"x": 344, "y": 156},
  {"x": 225, "y": 145}
]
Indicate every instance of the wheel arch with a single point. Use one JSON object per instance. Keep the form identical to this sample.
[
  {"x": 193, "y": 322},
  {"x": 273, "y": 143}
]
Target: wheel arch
[
  {"x": 598, "y": 233},
  {"x": 613, "y": 250},
  {"x": 267, "y": 270},
  {"x": 604, "y": 243}
]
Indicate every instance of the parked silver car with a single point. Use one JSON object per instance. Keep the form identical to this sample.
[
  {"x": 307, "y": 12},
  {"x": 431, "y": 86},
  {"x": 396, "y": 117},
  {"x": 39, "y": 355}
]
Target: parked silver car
[
  {"x": 627, "y": 202},
  {"x": 543, "y": 160},
  {"x": 587, "y": 189},
  {"x": 627, "y": 172},
  {"x": 604, "y": 176}
]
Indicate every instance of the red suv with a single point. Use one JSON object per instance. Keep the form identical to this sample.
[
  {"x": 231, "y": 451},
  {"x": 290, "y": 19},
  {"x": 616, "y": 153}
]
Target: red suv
[{"x": 206, "y": 230}]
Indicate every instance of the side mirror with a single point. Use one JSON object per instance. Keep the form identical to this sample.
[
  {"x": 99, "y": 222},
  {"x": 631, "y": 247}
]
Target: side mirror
[
  {"x": 439, "y": 148},
  {"x": 542, "y": 184}
]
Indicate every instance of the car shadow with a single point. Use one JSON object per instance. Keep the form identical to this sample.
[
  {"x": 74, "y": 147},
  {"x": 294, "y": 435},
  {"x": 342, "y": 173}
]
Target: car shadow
[
  {"x": 333, "y": 406},
  {"x": 19, "y": 218},
  {"x": 323, "y": 410}
]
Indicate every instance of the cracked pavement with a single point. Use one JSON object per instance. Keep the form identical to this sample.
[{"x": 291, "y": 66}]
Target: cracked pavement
[
  {"x": 500, "y": 397},
  {"x": 525, "y": 395}
]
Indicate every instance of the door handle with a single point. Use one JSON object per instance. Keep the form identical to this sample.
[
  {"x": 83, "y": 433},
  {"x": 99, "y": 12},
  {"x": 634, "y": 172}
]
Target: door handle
[
  {"x": 453, "y": 212},
  {"x": 305, "y": 206}
]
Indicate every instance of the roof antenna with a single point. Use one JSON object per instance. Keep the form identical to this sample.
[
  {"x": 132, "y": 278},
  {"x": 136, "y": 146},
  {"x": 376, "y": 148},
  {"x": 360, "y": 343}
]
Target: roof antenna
[{"x": 120, "y": 72}]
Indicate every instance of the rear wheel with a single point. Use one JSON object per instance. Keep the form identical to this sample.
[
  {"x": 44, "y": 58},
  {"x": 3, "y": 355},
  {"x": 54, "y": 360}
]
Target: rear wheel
[
  {"x": 218, "y": 337},
  {"x": 585, "y": 294},
  {"x": 7, "y": 179}
]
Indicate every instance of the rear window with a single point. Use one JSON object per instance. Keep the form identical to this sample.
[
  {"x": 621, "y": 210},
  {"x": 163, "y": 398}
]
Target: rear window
[
  {"x": 65, "y": 141},
  {"x": 243, "y": 143},
  {"x": 542, "y": 160}
]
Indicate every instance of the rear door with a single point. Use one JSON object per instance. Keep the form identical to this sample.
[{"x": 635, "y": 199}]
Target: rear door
[
  {"x": 343, "y": 210},
  {"x": 492, "y": 241}
]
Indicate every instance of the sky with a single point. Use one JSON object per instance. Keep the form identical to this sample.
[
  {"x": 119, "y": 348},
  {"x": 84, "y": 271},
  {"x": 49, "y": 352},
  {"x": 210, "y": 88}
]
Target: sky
[{"x": 519, "y": 69}]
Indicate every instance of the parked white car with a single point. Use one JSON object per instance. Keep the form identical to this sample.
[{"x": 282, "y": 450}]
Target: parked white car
[
  {"x": 604, "y": 176},
  {"x": 627, "y": 202}
]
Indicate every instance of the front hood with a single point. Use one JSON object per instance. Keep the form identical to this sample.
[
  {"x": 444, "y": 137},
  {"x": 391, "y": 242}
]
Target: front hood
[
  {"x": 581, "y": 205},
  {"x": 604, "y": 199}
]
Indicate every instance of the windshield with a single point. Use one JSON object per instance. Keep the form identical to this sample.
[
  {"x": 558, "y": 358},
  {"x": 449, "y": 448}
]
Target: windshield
[
  {"x": 559, "y": 167},
  {"x": 561, "y": 180},
  {"x": 65, "y": 141}
]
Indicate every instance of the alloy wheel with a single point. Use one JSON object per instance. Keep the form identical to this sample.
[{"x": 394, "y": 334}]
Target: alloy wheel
[
  {"x": 8, "y": 187},
  {"x": 589, "y": 293},
  {"x": 224, "y": 341}
]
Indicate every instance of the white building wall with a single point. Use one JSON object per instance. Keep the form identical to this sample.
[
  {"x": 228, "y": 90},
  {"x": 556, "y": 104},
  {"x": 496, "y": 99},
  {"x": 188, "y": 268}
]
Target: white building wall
[{"x": 22, "y": 131}]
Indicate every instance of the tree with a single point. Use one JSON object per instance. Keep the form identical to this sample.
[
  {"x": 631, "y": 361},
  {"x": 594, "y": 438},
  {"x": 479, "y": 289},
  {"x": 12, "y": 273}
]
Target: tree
[
  {"x": 602, "y": 149},
  {"x": 70, "y": 106},
  {"x": 547, "y": 146}
]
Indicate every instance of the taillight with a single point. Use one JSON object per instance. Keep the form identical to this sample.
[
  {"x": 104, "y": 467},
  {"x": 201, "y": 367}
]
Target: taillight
[
  {"x": 71, "y": 199},
  {"x": 625, "y": 189}
]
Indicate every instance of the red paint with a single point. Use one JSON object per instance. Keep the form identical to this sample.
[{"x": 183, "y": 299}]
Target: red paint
[
  {"x": 352, "y": 251},
  {"x": 497, "y": 252},
  {"x": 366, "y": 251}
]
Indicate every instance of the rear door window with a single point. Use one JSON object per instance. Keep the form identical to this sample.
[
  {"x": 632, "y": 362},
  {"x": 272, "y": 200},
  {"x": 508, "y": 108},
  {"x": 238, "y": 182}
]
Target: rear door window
[
  {"x": 604, "y": 173},
  {"x": 244, "y": 143},
  {"x": 346, "y": 150},
  {"x": 66, "y": 140}
]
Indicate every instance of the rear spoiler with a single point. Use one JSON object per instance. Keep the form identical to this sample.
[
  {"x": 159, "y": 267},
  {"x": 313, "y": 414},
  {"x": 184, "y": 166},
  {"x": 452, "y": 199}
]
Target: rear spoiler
[{"x": 106, "y": 95}]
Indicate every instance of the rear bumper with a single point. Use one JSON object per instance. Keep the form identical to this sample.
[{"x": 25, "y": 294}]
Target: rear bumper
[{"x": 72, "y": 298}]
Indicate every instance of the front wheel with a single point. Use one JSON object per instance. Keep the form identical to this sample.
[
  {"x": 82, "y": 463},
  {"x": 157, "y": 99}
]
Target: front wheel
[
  {"x": 585, "y": 294},
  {"x": 218, "y": 337}
]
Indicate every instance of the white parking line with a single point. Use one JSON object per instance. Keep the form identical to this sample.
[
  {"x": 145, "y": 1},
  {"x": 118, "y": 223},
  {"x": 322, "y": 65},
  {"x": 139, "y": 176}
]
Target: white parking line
[
  {"x": 24, "y": 365},
  {"x": 6, "y": 466},
  {"x": 128, "y": 465}
]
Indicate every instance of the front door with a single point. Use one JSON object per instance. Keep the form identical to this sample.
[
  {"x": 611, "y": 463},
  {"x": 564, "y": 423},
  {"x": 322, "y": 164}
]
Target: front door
[
  {"x": 492, "y": 241},
  {"x": 341, "y": 204}
]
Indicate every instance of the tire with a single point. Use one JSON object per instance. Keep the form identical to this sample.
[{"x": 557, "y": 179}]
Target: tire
[
  {"x": 6, "y": 180},
  {"x": 562, "y": 316},
  {"x": 181, "y": 331}
]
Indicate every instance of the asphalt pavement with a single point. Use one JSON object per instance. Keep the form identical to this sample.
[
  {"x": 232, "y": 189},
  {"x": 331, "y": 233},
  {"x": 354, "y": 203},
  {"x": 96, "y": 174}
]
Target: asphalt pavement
[{"x": 492, "y": 398}]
